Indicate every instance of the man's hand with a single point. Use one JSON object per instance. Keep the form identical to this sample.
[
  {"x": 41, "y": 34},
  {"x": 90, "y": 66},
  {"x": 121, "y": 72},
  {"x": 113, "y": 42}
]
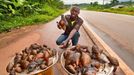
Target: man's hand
[
  {"x": 58, "y": 25},
  {"x": 64, "y": 44}
]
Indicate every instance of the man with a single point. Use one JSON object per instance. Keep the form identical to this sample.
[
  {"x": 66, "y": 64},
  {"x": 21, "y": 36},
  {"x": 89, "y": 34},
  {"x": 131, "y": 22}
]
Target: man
[{"x": 73, "y": 23}]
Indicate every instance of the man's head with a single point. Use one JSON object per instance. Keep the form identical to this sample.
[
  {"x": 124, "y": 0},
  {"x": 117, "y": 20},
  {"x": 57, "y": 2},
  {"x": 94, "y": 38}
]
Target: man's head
[{"x": 74, "y": 12}]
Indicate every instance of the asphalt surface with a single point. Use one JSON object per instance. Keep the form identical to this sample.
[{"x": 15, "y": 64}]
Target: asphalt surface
[{"x": 116, "y": 30}]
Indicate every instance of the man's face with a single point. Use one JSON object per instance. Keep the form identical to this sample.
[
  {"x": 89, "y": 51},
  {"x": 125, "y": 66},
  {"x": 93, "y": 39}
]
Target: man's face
[{"x": 74, "y": 13}]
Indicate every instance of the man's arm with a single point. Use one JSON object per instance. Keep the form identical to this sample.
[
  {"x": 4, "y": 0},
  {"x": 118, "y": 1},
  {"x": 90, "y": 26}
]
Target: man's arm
[
  {"x": 69, "y": 37},
  {"x": 75, "y": 29},
  {"x": 71, "y": 34}
]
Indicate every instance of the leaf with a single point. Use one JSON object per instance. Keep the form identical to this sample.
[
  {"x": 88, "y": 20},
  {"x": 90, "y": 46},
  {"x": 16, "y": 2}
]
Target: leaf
[
  {"x": 3, "y": 5},
  {"x": 18, "y": 3},
  {"x": 7, "y": 2},
  {"x": 13, "y": 11}
]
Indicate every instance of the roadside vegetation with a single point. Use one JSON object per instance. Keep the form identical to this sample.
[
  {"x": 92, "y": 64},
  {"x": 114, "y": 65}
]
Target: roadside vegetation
[
  {"x": 18, "y": 13},
  {"x": 113, "y": 7}
]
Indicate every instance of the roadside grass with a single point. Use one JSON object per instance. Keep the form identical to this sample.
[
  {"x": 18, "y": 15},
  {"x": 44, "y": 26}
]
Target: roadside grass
[
  {"x": 126, "y": 10},
  {"x": 19, "y": 21}
]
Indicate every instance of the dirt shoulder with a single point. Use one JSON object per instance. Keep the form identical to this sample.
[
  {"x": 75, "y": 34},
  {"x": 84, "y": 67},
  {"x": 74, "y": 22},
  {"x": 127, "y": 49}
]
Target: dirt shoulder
[{"x": 6, "y": 38}]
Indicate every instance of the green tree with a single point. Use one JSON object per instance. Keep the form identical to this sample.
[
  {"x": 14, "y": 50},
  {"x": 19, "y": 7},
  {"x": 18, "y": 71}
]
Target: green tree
[
  {"x": 114, "y": 2},
  {"x": 130, "y": 2},
  {"x": 95, "y": 3}
]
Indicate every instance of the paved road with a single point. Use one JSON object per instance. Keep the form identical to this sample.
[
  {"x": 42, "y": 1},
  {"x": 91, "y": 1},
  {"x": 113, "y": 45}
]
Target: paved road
[{"x": 116, "y": 30}]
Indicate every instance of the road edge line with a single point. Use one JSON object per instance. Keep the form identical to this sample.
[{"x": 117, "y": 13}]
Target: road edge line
[{"x": 122, "y": 65}]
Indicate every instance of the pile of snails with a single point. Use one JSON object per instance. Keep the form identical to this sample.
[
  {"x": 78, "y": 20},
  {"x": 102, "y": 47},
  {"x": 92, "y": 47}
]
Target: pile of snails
[
  {"x": 36, "y": 57},
  {"x": 83, "y": 60}
]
